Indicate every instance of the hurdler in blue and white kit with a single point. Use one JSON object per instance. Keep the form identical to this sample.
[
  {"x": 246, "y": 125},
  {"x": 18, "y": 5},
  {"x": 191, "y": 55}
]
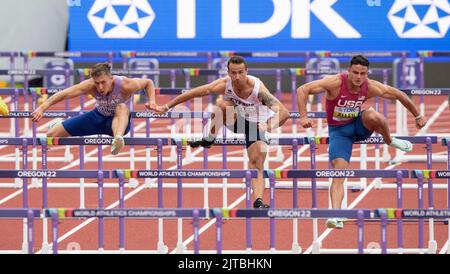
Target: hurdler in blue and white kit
[{"x": 110, "y": 116}]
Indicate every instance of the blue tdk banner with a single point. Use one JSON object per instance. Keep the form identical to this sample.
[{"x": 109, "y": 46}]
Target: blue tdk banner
[{"x": 259, "y": 25}]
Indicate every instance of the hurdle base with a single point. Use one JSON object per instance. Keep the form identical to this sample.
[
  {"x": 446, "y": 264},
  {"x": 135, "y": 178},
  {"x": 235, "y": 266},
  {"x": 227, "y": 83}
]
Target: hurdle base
[
  {"x": 149, "y": 183},
  {"x": 18, "y": 183},
  {"x": 45, "y": 248},
  {"x": 296, "y": 248},
  {"x": 162, "y": 248},
  {"x": 36, "y": 182},
  {"x": 432, "y": 247},
  {"x": 371, "y": 251},
  {"x": 24, "y": 248},
  {"x": 181, "y": 248},
  {"x": 133, "y": 183},
  {"x": 316, "y": 248}
]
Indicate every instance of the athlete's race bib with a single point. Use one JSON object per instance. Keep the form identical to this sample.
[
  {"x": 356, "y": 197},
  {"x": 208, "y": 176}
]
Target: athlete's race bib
[{"x": 345, "y": 113}]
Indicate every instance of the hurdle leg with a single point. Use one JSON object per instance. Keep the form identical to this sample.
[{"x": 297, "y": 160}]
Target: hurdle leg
[
  {"x": 405, "y": 121},
  {"x": 18, "y": 181},
  {"x": 224, "y": 166},
  {"x": 180, "y": 246},
  {"x": 266, "y": 167},
  {"x": 320, "y": 130},
  {"x": 280, "y": 155},
  {"x": 448, "y": 236},
  {"x": 45, "y": 244},
  {"x": 26, "y": 123},
  {"x": 363, "y": 165},
  {"x": 399, "y": 119},
  {"x": 148, "y": 181},
  {"x": 296, "y": 249},
  {"x": 132, "y": 182},
  {"x": 12, "y": 127},
  {"x": 82, "y": 186},
  {"x": 309, "y": 131},
  {"x": 205, "y": 180},
  {"x": 316, "y": 245},
  {"x": 25, "y": 236},
  {"x": 188, "y": 156},
  {"x": 162, "y": 248},
  {"x": 173, "y": 149},
  {"x": 432, "y": 244},
  {"x": 35, "y": 181}
]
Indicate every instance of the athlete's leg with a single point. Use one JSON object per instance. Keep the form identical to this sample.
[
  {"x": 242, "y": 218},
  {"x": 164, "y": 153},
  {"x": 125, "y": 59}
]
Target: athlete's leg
[
  {"x": 58, "y": 131},
  {"x": 257, "y": 155},
  {"x": 374, "y": 121},
  {"x": 222, "y": 113},
  {"x": 120, "y": 120},
  {"x": 337, "y": 184},
  {"x": 118, "y": 126},
  {"x": 340, "y": 151}
]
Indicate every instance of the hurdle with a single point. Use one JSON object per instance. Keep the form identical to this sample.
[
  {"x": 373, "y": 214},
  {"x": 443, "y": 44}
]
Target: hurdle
[
  {"x": 219, "y": 214},
  {"x": 179, "y": 174},
  {"x": 28, "y": 215},
  {"x": 383, "y": 215},
  {"x": 314, "y": 142},
  {"x": 317, "y": 173},
  {"x": 421, "y": 175},
  {"x": 26, "y": 173}
]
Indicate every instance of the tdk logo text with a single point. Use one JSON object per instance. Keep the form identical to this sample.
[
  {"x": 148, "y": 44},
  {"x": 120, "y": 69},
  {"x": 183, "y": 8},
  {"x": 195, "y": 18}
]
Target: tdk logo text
[
  {"x": 124, "y": 19},
  {"x": 298, "y": 11},
  {"x": 420, "y": 18},
  {"x": 133, "y": 18}
]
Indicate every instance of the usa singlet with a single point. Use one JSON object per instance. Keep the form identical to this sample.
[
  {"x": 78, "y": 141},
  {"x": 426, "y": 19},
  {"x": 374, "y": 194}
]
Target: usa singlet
[{"x": 346, "y": 107}]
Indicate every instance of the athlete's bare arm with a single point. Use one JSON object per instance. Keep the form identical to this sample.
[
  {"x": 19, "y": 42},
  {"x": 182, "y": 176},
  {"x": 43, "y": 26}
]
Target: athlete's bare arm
[
  {"x": 329, "y": 84},
  {"x": 215, "y": 87},
  {"x": 378, "y": 89},
  {"x": 281, "y": 112},
  {"x": 131, "y": 85},
  {"x": 85, "y": 87}
]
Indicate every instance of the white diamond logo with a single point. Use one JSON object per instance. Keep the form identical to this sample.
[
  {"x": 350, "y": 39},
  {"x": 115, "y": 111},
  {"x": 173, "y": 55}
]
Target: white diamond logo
[
  {"x": 420, "y": 18},
  {"x": 121, "y": 19}
]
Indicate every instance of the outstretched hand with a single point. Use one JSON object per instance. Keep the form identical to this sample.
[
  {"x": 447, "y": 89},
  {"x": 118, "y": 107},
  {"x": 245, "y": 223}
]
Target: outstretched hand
[
  {"x": 305, "y": 122},
  {"x": 156, "y": 108},
  {"x": 37, "y": 114},
  {"x": 150, "y": 106},
  {"x": 421, "y": 122}
]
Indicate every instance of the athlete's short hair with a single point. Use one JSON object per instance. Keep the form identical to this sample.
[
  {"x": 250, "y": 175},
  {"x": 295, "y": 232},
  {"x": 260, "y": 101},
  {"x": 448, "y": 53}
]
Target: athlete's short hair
[
  {"x": 100, "y": 69},
  {"x": 236, "y": 60},
  {"x": 360, "y": 60}
]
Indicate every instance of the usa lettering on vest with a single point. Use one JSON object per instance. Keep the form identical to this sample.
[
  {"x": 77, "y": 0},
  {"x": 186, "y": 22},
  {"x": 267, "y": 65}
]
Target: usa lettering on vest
[{"x": 349, "y": 103}]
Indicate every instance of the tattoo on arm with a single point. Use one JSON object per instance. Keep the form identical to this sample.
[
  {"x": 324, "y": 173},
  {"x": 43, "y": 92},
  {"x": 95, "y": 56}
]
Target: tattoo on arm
[{"x": 267, "y": 99}]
